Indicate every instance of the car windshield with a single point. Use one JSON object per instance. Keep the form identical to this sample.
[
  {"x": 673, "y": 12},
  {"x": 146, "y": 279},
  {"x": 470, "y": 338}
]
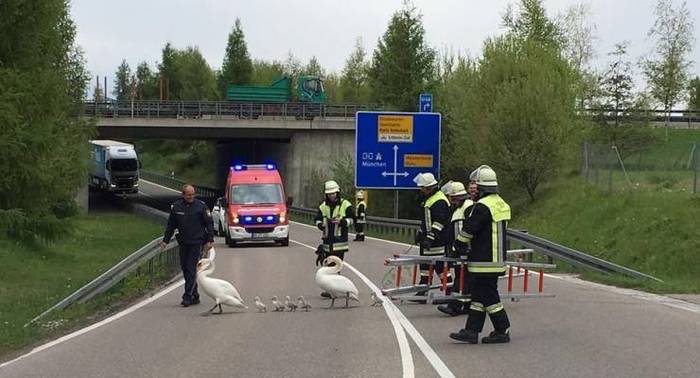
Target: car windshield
[
  {"x": 256, "y": 193},
  {"x": 123, "y": 164}
]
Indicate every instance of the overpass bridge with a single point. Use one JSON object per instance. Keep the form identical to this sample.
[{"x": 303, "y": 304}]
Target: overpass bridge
[{"x": 299, "y": 137}]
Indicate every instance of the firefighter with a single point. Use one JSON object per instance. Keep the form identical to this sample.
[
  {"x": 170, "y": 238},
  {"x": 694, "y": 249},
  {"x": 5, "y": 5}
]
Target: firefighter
[
  {"x": 333, "y": 218},
  {"x": 430, "y": 238},
  {"x": 484, "y": 232},
  {"x": 361, "y": 213},
  {"x": 461, "y": 202}
]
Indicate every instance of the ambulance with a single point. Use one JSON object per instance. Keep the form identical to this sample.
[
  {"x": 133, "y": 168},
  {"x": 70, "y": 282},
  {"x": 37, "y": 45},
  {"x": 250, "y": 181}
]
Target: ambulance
[{"x": 254, "y": 208}]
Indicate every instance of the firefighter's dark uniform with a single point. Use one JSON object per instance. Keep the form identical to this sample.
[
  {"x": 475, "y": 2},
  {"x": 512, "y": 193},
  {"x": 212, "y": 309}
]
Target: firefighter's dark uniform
[
  {"x": 436, "y": 215},
  {"x": 335, "y": 235},
  {"x": 485, "y": 232},
  {"x": 361, "y": 212},
  {"x": 195, "y": 228},
  {"x": 453, "y": 249}
]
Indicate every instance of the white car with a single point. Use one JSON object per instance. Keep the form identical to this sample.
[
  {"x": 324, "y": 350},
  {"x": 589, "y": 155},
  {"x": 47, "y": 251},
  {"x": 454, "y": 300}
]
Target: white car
[{"x": 218, "y": 214}]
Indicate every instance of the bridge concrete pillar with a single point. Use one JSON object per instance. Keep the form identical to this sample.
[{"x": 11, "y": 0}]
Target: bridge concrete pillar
[{"x": 314, "y": 150}]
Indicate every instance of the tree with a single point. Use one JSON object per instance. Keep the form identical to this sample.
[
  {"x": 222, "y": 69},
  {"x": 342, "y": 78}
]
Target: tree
[
  {"x": 667, "y": 71},
  {"x": 526, "y": 105},
  {"x": 578, "y": 34},
  {"x": 147, "y": 83},
  {"x": 122, "y": 82},
  {"x": 237, "y": 68},
  {"x": 43, "y": 149},
  {"x": 403, "y": 65},
  {"x": 265, "y": 73},
  {"x": 186, "y": 75},
  {"x": 313, "y": 68},
  {"x": 694, "y": 94},
  {"x": 617, "y": 84},
  {"x": 530, "y": 22},
  {"x": 354, "y": 86}
]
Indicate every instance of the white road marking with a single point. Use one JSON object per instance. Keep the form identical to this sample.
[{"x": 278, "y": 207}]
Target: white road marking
[
  {"x": 395, "y": 314},
  {"x": 99, "y": 324}
]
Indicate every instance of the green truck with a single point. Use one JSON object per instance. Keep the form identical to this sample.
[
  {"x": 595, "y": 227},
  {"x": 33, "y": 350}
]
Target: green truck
[{"x": 309, "y": 90}]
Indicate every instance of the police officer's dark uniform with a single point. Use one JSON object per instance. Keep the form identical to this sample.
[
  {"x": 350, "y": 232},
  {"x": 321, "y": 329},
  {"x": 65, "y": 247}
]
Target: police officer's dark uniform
[
  {"x": 485, "y": 231},
  {"x": 436, "y": 215},
  {"x": 195, "y": 228}
]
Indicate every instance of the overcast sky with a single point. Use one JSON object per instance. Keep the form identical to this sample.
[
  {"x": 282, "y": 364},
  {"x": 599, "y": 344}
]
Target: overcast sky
[{"x": 137, "y": 30}]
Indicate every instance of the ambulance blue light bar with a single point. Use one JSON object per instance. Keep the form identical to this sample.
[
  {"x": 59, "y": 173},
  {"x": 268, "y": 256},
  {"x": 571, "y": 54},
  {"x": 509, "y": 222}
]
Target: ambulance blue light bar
[{"x": 245, "y": 167}]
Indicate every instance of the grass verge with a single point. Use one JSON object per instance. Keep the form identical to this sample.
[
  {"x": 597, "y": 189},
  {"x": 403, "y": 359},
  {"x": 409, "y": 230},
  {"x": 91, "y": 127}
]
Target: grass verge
[{"x": 35, "y": 278}]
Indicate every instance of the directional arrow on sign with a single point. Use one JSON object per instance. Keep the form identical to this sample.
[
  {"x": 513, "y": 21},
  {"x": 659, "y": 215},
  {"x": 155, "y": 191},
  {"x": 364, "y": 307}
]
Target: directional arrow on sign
[{"x": 395, "y": 173}]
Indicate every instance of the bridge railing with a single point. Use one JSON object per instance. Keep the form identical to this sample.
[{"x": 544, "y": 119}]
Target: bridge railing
[{"x": 222, "y": 110}]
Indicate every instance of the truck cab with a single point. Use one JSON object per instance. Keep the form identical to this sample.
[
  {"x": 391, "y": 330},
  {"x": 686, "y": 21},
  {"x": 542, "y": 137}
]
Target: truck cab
[
  {"x": 254, "y": 205},
  {"x": 114, "y": 167}
]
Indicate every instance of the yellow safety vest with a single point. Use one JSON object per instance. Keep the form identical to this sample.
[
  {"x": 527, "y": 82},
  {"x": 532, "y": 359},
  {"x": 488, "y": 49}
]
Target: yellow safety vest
[
  {"x": 339, "y": 212},
  {"x": 500, "y": 215}
]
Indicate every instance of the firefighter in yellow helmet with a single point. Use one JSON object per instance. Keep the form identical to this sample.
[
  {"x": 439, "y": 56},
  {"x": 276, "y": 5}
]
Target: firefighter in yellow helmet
[
  {"x": 361, "y": 213},
  {"x": 334, "y": 216},
  {"x": 435, "y": 216},
  {"x": 484, "y": 234},
  {"x": 461, "y": 203}
]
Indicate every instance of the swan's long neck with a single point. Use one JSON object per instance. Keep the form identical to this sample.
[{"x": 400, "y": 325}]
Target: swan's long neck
[{"x": 209, "y": 270}]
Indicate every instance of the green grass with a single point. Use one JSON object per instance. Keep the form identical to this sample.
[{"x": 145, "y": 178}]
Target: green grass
[
  {"x": 156, "y": 162},
  {"x": 651, "y": 231},
  {"x": 35, "y": 278}
]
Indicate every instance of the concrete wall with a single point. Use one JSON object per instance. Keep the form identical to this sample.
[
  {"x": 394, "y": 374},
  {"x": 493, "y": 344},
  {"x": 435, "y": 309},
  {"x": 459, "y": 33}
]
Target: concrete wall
[{"x": 313, "y": 150}]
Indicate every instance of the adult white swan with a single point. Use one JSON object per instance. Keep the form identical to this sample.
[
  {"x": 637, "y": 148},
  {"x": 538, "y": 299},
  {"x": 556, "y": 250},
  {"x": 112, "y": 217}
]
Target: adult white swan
[
  {"x": 222, "y": 292},
  {"x": 328, "y": 279}
]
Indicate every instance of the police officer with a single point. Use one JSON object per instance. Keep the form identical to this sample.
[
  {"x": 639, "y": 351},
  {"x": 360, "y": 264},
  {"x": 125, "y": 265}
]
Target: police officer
[
  {"x": 485, "y": 231},
  {"x": 361, "y": 213},
  {"x": 460, "y": 201},
  {"x": 192, "y": 219},
  {"x": 436, "y": 213}
]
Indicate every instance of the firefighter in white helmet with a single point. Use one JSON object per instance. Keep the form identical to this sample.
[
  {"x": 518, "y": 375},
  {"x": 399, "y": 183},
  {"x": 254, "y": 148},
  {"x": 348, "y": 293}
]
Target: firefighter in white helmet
[
  {"x": 334, "y": 216},
  {"x": 484, "y": 232},
  {"x": 361, "y": 213},
  {"x": 461, "y": 203},
  {"x": 435, "y": 216}
]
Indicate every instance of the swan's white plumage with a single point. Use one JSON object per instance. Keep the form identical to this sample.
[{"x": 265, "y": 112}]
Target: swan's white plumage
[
  {"x": 328, "y": 279},
  {"x": 221, "y": 291}
]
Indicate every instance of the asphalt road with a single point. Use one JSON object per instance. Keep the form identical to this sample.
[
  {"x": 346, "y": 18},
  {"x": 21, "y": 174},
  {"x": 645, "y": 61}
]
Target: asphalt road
[{"x": 586, "y": 331}]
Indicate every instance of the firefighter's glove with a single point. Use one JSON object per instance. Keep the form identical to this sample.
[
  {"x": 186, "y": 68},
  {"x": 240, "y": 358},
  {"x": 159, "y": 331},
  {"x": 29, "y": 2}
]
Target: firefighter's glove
[
  {"x": 418, "y": 238},
  {"x": 321, "y": 227}
]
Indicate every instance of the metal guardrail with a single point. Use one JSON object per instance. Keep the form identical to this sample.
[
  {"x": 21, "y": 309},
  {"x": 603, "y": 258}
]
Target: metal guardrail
[
  {"x": 222, "y": 110},
  {"x": 150, "y": 254},
  {"x": 546, "y": 247},
  {"x": 573, "y": 256}
]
